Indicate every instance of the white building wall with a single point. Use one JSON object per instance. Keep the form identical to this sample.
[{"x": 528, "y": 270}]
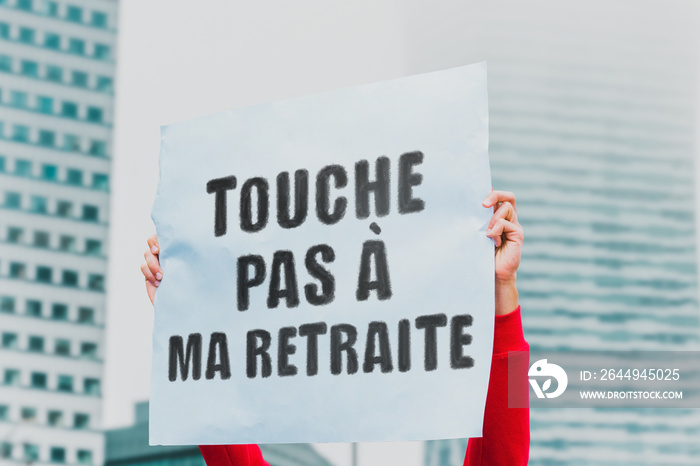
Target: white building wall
[{"x": 55, "y": 141}]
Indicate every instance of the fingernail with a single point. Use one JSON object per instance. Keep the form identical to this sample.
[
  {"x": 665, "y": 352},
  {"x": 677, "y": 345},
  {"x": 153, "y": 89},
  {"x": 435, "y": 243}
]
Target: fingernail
[
  {"x": 154, "y": 249},
  {"x": 159, "y": 276},
  {"x": 488, "y": 232},
  {"x": 158, "y": 283}
]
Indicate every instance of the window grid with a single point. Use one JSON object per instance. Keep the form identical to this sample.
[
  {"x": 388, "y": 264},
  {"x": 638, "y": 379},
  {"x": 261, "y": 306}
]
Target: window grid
[
  {"x": 44, "y": 275},
  {"x": 43, "y": 239},
  {"x": 95, "y": 147},
  {"x": 84, "y": 315},
  {"x": 54, "y": 74},
  {"x": 39, "y": 205},
  {"x": 90, "y": 18},
  {"x": 41, "y": 380},
  {"x": 44, "y": 104},
  {"x": 75, "y": 46}
]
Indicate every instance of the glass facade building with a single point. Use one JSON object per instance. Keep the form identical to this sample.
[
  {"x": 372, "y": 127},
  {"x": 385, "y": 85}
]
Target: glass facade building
[
  {"x": 57, "y": 66},
  {"x": 593, "y": 109}
]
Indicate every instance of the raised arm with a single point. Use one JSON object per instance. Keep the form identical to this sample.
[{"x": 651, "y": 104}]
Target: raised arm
[{"x": 506, "y": 432}]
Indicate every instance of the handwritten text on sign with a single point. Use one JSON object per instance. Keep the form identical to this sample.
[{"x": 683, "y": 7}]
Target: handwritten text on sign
[{"x": 306, "y": 278}]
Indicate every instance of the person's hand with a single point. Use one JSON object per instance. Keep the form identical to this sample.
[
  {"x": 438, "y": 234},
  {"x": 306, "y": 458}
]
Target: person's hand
[
  {"x": 507, "y": 233},
  {"x": 151, "y": 268}
]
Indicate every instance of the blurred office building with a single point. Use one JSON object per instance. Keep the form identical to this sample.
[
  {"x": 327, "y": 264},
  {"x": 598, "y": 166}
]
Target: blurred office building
[
  {"x": 593, "y": 109},
  {"x": 57, "y": 64},
  {"x": 128, "y": 446}
]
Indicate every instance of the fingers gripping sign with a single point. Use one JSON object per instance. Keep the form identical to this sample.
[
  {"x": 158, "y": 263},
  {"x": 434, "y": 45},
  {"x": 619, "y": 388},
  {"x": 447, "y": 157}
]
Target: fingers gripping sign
[
  {"x": 506, "y": 232},
  {"x": 151, "y": 268}
]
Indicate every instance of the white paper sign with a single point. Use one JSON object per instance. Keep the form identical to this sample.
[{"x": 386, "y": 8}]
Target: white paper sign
[{"x": 327, "y": 277}]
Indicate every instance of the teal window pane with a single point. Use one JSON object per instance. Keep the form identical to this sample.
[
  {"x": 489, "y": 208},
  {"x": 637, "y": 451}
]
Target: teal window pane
[
  {"x": 31, "y": 452},
  {"x": 13, "y": 200},
  {"x": 93, "y": 247},
  {"x": 65, "y": 383},
  {"x": 81, "y": 421},
  {"x": 64, "y": 209},
  {"x": 98, "y": 148},
  {"x": 50, "y": 8},
  {"x": 26, "y": 35},
  {"x": 47, "y": 138},
  {"x": 29, "y": 68},
  {"x": 38, "y": 380},
  {"x": 74, "y": 177},
  {"x": 4, "y": 30},
  {"x": 44, "y": 104},
  {"x": 7, "y": 304},
  {"x": 66, "y": 243},
  {"x": 17, "y": 270},
  {"x": 104, "y": 84},
  {"x": 15, "y": 235},
  {"x": 5, "y": 63},
  {"x": 26, "y": 5},
  {"x": 100, "y": 181},
  {"x": 69, "y": 278},
  {"x": 38, "y": 204},
  {"x": 23, "y": 167},
  {"x": 54, "y": 73},
  {"x": 80, "y": 79},
  {"x": 52, "y": 41},
  {"x": 88, "y": 350},
  {"x": 54, "y": 418},
  {"x": 36, "y": 344},
  {"x": 101, "y": 52},
  {"x": 33, "y": 308},
  {"x": 76, "y": 46},
  {"x": 71, "y": 142},
  {"x": 41, "y": 239},
  {"x": 74, "y": 13},
  {"x": 69, "y": 109},
  {"x": 44, "y": 274},
  {"x": 2, "y": 164},
  {"x": 28, "y": 414},
  {"x": 58, "y": 455},
  {"x": 84, "y": 457},
  {"x": 62, "y": 347},
  {"x": 5, "y": 448},
  {"x": 94, "y": 114},
  {"x": 9, "y": 340},
  {"x": 96, "y": 282},
  {"x": 59, "y": 311},
  {"x": 20, "y": 133},
  {"x": 11, "y": 377},
  {"x": 99, "y": 19},
  {"x": 49, "y": 172},
  {"x": 18, "y": 99},
  {"x": 86, "y": 315},
  {"x": 91, "y": 387},
  {"x": 90, "y": 213}
]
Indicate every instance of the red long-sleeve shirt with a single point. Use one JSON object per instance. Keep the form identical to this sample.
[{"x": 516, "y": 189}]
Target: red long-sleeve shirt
[{"x": 506, "y": 432}]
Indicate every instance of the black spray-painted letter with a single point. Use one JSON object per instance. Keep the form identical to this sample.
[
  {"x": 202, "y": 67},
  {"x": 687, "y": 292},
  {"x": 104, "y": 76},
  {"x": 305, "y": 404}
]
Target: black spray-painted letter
[{"x": 373, "y": 252}]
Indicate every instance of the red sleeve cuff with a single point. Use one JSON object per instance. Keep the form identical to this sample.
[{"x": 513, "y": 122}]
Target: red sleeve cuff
[{"x": 508, "y": 334}]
